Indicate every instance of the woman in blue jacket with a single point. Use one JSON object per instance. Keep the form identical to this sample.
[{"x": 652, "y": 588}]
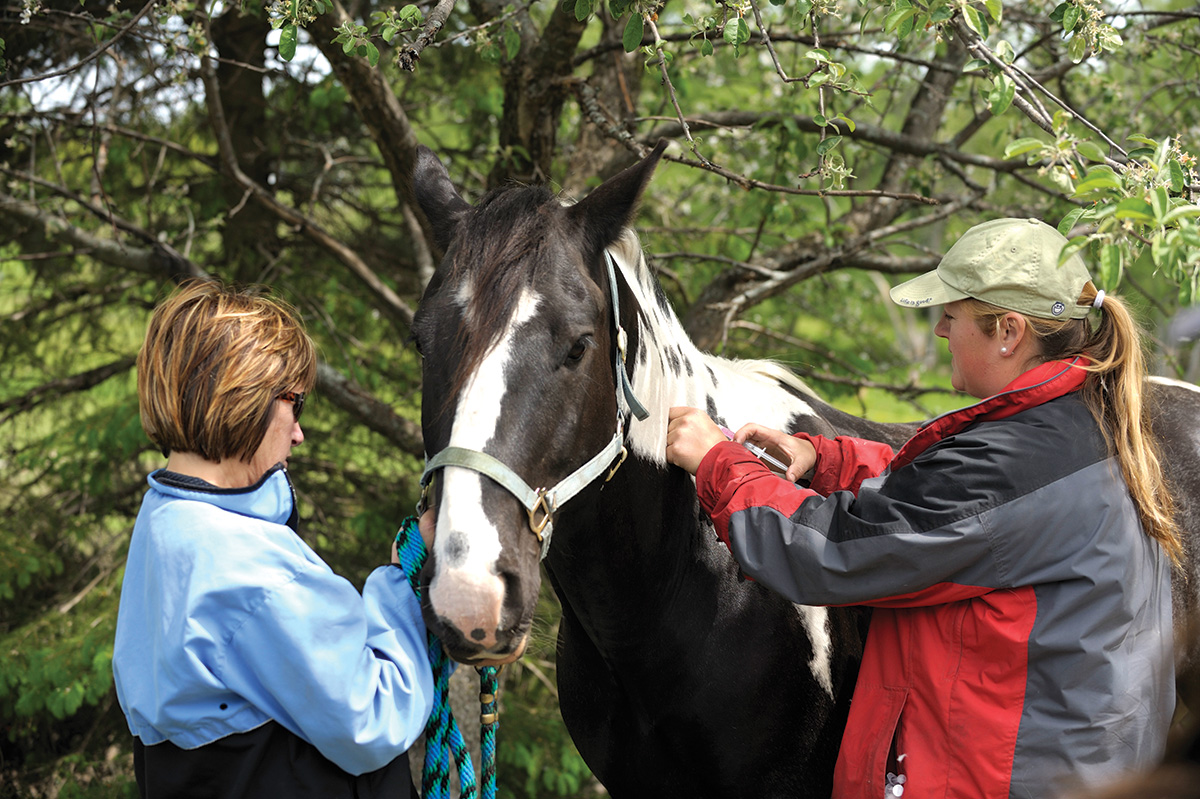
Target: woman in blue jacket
[{"x": 244, "y": 665}]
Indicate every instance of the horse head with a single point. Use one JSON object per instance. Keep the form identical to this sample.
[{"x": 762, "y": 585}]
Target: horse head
[{"x": 521, "y": 404}]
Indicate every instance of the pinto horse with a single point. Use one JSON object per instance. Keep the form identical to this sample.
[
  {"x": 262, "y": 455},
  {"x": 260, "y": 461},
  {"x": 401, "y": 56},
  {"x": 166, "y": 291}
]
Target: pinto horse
[{"x": 551, "y": 359}]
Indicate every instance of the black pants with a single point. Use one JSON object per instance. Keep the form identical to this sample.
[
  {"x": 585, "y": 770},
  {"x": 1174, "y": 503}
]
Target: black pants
[{"x": 269, "y": 762}]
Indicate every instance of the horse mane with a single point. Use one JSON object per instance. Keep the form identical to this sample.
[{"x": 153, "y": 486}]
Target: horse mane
[
  {"x": 770, "y": 371},
  {"x": 628, "y": 250}
]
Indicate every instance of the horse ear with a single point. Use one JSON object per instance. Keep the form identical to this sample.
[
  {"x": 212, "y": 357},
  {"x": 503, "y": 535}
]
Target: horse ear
[
  {"x": 611, "y": 205},
  {"x": 439, "y": 200}
]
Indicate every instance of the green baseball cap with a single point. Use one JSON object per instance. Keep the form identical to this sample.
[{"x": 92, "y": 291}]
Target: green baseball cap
[{"x": 1010, "y": 263}]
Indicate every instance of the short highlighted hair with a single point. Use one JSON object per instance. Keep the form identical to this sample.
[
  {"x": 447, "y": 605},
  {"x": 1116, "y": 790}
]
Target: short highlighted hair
[{"x": 214, "y": 360}]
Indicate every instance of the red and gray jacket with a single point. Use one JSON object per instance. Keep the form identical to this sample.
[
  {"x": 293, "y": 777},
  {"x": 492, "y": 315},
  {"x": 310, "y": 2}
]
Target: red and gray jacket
[{"x": 1022, "y": 626}]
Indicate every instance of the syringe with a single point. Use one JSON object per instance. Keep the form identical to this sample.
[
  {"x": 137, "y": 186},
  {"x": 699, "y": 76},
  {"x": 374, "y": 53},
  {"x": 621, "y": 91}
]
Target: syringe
[{"x": 759, "y": 452}]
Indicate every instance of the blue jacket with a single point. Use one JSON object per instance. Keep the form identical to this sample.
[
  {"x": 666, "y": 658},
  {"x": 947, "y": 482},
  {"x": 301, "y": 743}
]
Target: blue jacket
[{"x": 229, "y": 621}]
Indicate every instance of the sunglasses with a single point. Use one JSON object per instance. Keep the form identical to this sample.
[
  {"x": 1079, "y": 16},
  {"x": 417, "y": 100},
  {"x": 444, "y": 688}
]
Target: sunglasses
[{"x": 297, "y": 400}]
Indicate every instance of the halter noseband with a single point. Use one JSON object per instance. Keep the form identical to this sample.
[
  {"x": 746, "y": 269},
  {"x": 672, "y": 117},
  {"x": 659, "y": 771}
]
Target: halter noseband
[{"x": 543, "y": 503}]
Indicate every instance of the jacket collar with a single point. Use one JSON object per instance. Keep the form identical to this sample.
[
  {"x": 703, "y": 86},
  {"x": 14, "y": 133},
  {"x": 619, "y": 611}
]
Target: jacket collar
[
  {"x": 271, "y": 499},
  {"x": 1040, "y": 384}
]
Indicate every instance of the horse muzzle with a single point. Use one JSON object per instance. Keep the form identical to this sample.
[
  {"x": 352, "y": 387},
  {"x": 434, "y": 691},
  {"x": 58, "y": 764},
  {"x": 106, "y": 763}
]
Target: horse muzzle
[{"x": 467, "y": 611}]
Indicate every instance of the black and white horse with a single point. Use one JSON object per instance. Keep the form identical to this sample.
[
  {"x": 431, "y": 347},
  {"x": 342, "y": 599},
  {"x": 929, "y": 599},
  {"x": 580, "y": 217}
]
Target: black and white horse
[{"x": 675, "y": 676}]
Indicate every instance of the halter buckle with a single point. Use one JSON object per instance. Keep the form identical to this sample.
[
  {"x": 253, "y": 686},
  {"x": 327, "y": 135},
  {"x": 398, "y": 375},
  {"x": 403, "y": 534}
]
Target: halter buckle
[
  {"x": 423, "y": 500},
  {"x": 617, "y": 465},
  {"x": 535, "y": 524}
]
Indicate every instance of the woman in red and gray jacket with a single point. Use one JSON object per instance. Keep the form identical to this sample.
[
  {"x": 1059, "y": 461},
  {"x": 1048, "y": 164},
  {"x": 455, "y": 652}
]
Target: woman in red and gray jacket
[{"x": 1017, "y": 552}]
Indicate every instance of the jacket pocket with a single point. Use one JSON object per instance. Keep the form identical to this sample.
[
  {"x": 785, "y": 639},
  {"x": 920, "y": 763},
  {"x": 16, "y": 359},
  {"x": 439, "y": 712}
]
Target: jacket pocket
[{"x": 861, "y": 771}]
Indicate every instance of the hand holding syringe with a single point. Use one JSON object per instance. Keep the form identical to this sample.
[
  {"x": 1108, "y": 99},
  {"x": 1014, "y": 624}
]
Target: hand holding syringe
[{"x": 760, "y": 453}]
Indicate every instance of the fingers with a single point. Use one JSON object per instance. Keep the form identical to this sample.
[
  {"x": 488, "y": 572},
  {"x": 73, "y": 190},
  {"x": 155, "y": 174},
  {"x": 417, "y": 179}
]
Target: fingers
[
  {"x": 427, "y": 524},
  {"x": 803, "y": 458},
  {"x": 690, "y": 435}
]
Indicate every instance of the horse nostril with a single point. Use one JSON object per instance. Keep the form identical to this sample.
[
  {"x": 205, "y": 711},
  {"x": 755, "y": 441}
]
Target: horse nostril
[{"x": 478, "y": 634}]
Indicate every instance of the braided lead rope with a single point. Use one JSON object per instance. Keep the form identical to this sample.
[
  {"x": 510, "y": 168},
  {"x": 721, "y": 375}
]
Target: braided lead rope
[{"x": 443, "y": 739}]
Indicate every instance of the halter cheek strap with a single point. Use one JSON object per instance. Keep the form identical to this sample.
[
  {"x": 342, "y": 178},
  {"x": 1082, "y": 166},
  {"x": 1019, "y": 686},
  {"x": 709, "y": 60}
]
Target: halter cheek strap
[
  {"x": 543, "y": 503},
  {"x": 622, "y": 340}
]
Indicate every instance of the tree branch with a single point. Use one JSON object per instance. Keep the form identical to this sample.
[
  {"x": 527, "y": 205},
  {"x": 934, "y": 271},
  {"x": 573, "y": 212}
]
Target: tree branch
[
  {"x": 372, "y": 413},
  {"x": 64, "y": 385},
  {"x": 394, "y": 307},
  {"x": 409, "y": 55}
]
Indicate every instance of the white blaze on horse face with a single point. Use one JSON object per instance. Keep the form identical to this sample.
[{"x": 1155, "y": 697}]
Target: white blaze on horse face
[{"x": 466, "y": 591}]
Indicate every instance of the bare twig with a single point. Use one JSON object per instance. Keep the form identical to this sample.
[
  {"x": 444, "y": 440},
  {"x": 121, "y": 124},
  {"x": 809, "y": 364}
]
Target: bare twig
[
  {"x": 92, "y": 56},
  {"x": 666, "y": 79}
]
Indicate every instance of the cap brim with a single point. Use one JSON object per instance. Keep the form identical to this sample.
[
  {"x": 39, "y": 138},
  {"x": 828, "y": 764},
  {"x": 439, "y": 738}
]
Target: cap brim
[{"x": 928, "y": 289}]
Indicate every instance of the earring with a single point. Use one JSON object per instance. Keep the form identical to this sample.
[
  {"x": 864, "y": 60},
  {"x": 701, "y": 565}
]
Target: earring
[{"x": 1004, "y": 350}]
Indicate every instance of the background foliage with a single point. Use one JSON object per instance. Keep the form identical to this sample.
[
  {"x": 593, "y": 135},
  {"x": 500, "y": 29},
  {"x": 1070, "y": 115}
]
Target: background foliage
[{"x": 822, "y": 151}]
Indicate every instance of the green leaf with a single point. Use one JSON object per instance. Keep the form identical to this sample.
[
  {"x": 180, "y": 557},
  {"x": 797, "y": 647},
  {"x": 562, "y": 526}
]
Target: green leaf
[
  {"x": 976, "y": 64},
  {"x": 287, "y": 42},
  {"x": 706, "y": 47},
  {"x": 1091, "y": 151},
  {"x": 1022, "y": 146},
  {"x": 1140, "y": 139},
  {"x": 1070, "y": 18},
  {"x": 1160, "y": 201},
  {"x": 1077, "y": 49},
  {"x": 743, "y": 30},
  {"x": 1135, "y": 209},
  {"x": 820, "y": 121},
  {"x": 1068, "y": 221},
  {"x": 828, "y": 144},
  {"x": 1178, "y": 179},
  {"x": 372, "y": 53},
  {"x": 994, "y": 8},
  {"x": 893, "y": 20},
  {"x": 1071, "y": 247},
  {"x": 583, "y": 9},
  {"x": 1141, "y": 152},
  {"x": 1181, "y": 212},
  {"x": 1110, "y": 265},
  {"x": 512, "y": 42},
  {"x": 975, "y": 22},
  {"x": 1002, "y": 95},
  {"x": 631, "y": 39}
]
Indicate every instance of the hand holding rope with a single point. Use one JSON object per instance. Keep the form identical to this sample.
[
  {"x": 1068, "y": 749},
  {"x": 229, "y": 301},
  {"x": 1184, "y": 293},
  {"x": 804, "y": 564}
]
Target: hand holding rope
[{"x": 443, "y": 739}]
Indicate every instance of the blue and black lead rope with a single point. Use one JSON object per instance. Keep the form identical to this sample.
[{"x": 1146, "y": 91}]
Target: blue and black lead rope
[{"x": 443, "y": 739}]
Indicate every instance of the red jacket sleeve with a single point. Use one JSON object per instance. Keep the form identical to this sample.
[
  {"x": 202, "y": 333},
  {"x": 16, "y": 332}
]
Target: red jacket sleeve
[
  {"x": 844, "y": 462},
  {"x": 729, "y": 467}
]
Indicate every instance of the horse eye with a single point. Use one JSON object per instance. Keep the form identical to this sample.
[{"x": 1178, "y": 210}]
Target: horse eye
[
  {"x": 416, "y": 343},
  {"x": 575, "y": 355}
]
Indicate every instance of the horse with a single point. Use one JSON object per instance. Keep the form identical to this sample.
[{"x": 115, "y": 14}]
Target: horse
[{"x": 551, "y": 357}]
